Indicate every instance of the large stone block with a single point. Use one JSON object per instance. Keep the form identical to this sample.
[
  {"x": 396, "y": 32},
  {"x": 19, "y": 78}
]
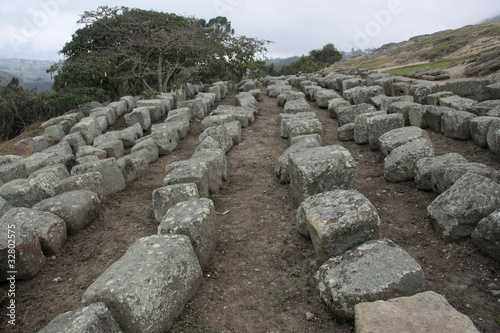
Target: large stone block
[
  {"x": 456, "y": 125},
  {"x": 139, "y": 116},
  {"x": 166, "y": 197},
  {"x": 113, "y": 180},
  {"x": 482, "y": 109},
  {"x": 493, "y": 136},
  {"x": 359, "y": 95},
  {"x": 457, "y": 102},
  {"x": 457, "y": 211},
  {"x": 324, "y": 96},
  {"x": 217, "y": 120},
  {"x": 297, "y": 106},
  {"x": 479, "y": 127},
  {"x": 196, "y": 219},
  {"x": 164, "y": 104},
  {"x": 304, "y": 126},
  {"x": 486, "y": 236},
  {"x": 319, "y": 170},
  {"x": 445, "y": 176},
  {"x": 147, "y": 288},
  {"x": 196, "y": 106},
  {"x": 113, "y": 148},
  {"x": 27, "y": 192},
  {"x": 94, "y": 318},
  {"x": 219, "y": 134},
  {"x": 91, "y": 181},
  {"x": 134, "y": 165},
  {"x": 247, "y": 100},
  {"x": 405, "y": 108},
  {"x": 234, "y": 130},
  {"x": 379, "y": 125},
  {"x": 106, "y": 112},
  {"x": 166, "y": 141},
  {"x": 76, "y": 208},
  {"x": 425, "y": 166},
  {"x": 400, "y": 164},
  {"x": 216, "y": 162},
  {"x": 285, "y": 118},
  {"x": 434, "y": 117},
  {"x": 26, "y": 248},
  {"x": 49, "y": 228},
  {"x": 400, "y": 136},
  {"x": 289, "y": 95},
  {"x": 282, "y": 166},
  {"x": 420, "y": 313},
  {"x": 89, "y": 129},
  {"x": 337, "y": 221},
  {"x": 348, "y": 114},
  {"x": 11, "y": 171},
  {"x": 149, "y": 145},
  {"x": 375, "y": 270},
  {"x": 5, "y": 206},
  {"x": 188, "y": 171}
]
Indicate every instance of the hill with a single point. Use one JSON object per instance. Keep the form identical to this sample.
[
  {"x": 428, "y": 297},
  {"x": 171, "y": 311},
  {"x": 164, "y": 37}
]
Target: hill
[
  {"x": 442, "y": 49},
  {"x": 31, "y": 73}
]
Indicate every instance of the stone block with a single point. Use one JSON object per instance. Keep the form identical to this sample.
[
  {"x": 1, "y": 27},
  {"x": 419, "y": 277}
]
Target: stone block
[
  {"x": 139, "y": 116},
  {"x": 420, "y": 313},
  {"x": 113, "y": 148},
  {"x": 166, "y": 141},
  {"x": 234, "y": 130},
  {"x": 247, "y": 100},
  {"x": 11, "y": 171},
  {"x": 56, "y": 132},
  {"x": 493, "y": 136},
  {"x": 196, "y": 106},
  {"x": 216, "y": 162},
  {"x": 113, "y": 180},
  {"x": 304, "y": 126},
  {"x": 337, "y": 221},
  {"x": 285, "y": 118},
  {"x": 76, "y": 208},
  {"x": 75, "y": 140},
  {"x": 164, "y": 104},
  {"x": 289, "y": 95},
  {"x": 282, "y": 165},
  {"x": 400, "y": 164},
  {"x": 434, "y": 117},
  {"x": 433, "y": 99},
  {"x": 94, "y": 318},
  {"x": 417, "y": 115},
  {"x": 379, "y": 125},
  {"x": 91, "y": 181},
  {"x": 324, "y": 96},
  {"x": 400, "y": 136},
  {"x": 335, "y": 104},
  {"x": 456, "y": 125},
  {"x": 346, "y": 132},
  {"x": 147, "y": 288},
  {"x": 361, "y": 126},
  {"x": 387, "y": 101},
  {"x": 457, "y": 102},
  {"x": 89, "y": 129},
  {"x": 196, "y": 219},
  {"x": 134, "y": 165},
  {"x": 188, "y": 171},
  {"x": 348, "y": 114},
  {"x": 360, "y": 95},
  {"x": 166, "y": 197},
  {"x": 479, "y": 127},
  {"x": 365, "y": 274},
  {"x": 297, "y": 106},
  {"x": 219, "y": 134},
  {"x": 27, "y": 192},
  {"x": 217, "y": 120},
  {"x": 149, "y": 145},
  {"x": 321, "y": 169},
  {"x": 5, "y": 206},
  {"x": 443, "y": 177},
  {"x": 482, "y": 109},
  {"x": 486, "y": 236},
  {"x": 404, "y": 108},
  {"x": 456, "y": 212},
  {"x": 106, "y": 112},
  {"x": 425, "y": 166}
]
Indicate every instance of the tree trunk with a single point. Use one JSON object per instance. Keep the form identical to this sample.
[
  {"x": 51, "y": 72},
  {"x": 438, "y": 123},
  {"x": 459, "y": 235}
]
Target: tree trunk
[{"x": 160, "y": 74}]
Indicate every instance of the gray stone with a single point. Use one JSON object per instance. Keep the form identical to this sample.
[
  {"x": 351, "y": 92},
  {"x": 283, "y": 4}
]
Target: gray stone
[
  {"x": 420, "y": 91},
  {"x": 404, "y": 108},
  {"x": 296, "y": 139},
  {"x": 216, "y": 162},
  {"x": 234, "y": 130},
  {"x": 209, "y": 143},
  {"x": 337, "y": 221},
  {"x": 89, "y": 150},
  {"x": 5, "y": 206},
  {"x": 321, "y": 169},
  {"x": 166, "y": 141},
  {"x": 400, "y": 136},
  {"x": 113, "y": 148},
  {"x": 304, "y": 126},
  {"x": 444, "y": 176},
  {"x": 482, "y": 109},
  {"x": 147, "y": 288},
  {"x": 188, "y": 171},
  {"x": 361, "y": 126},
  {"x": 346, "y": 132},
  {"x": 94, "y": 318},
  {"x": 139, "y": 116},
  {"x": 352, "y": 83},
  {"x": 420, "y": 313},
  {"x": 87, "y": 159},
  {"x": 134, "y": 165},
  {"x": 247, "y": 100},
  {"x": 486, "y": 236},
  {"x": 324, "y": 96},
  {"x": 49, "y": 228},
  {"x": 282, "y": 166},
  {"x": 41, "y": 160},
  {"x": 124, "y": 105},
  {"x": 217, "y": 120},
  {"x": 387, "y": 101},
  {"x": 179, "y": 114},
  {"x": 479, "y": 127},
  {"x": 56, "y": 132},
  {"x": 217, "y": 91},
  {"x": 76, "y": 208},
  {"x": 311, "y": 91},
  {"x": 365, "y": 274},
  {"x": 196, "y": 106},
  {"x": 493, "y": 136},
  {"x": 348, "y": 114},
  {"x": 359, "y": 95},
  {"x": 75, "y": 140},
  {"x": 456, "y": 125},
  {"x": 27, "y": 192},
  {"x": 247, "y": 86},
  {"x": 425, "y": 166},
  {"x": 196, "y": 219},
  {"x": 91, "y": 181},
  {"x": 289, "y": 95},
  {"x": 164, "y": 104},
  {"x": 379, "y": 125},
  {"x": 433, "y": 99},
  {"x": 29, "y": 258},
  {"x": 400, "y": 164},
  {"x": 89, "y": 129},
  {"x": 275, "y": 90},
  {"x": 457, "y": 211},
  {"x": 166, "y": 197},
  {"x": 11, "y": 171},
  {"x": 434, "y": 117},
  {"x": 245, "y": 116},
  {"x": 219, "y": 134},
  {"x": 106, "y": 112},
  {"x": 297, "y": 106},
  {"x": 149, "y": 145},
  {"x": 286, "y": 118},
  {"x": 128, "y": 136},
  {"x": 335, "y": 104},
  {"x": 417, "y": 115},
  {"x": 457, "y": 102},
  {"x": 113, "y": 180}
]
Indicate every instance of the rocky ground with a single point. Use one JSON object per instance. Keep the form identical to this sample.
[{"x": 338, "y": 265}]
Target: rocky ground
[{"x": 261, "y": 277}]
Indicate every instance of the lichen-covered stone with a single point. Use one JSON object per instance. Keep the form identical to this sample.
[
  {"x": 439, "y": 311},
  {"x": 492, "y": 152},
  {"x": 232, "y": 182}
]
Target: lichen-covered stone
[
  {"x": 113, "y": 180},
  {"x": 425, "y": 166},
  {"x": 400, "y": 136},
  {"x": 486, "y": 236}
]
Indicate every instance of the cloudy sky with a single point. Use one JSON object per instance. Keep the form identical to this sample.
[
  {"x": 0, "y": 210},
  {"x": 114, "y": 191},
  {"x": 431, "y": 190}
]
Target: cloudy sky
[{"x": 38, "y": 29}]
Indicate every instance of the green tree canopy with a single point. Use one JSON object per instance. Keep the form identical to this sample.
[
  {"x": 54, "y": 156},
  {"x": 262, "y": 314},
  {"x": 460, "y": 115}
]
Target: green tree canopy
[{"x": 315, "y": 61}]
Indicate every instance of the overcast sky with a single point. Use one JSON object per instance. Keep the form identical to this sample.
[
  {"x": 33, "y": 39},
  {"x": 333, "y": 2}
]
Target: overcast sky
[{"x": 38, "y": 29}]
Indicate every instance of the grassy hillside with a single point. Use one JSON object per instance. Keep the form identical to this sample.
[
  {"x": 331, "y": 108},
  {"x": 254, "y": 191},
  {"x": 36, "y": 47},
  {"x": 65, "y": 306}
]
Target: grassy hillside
[
  {"x": 31, "y": 73},
  {"x": 440, "y": 50}
]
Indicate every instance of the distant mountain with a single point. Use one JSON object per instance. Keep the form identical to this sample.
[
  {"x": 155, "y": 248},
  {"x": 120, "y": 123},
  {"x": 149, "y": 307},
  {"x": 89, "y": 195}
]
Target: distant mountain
[
  {"x": 493, "y": 19},
  {"x": 31, "y": 73},
  {"x": 280, "y": 62}
]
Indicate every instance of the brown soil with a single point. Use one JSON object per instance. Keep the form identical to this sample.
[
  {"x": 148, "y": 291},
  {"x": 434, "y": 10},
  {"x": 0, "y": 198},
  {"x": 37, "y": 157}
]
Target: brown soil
[{"x": 261, "y": 276}]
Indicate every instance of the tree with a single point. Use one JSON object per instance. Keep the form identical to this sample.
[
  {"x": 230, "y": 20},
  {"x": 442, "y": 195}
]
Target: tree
[{"x": 315, "y": 61}]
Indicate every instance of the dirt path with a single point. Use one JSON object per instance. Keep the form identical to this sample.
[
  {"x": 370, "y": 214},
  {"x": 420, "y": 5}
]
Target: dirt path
[{"x": 261, "y": 277}]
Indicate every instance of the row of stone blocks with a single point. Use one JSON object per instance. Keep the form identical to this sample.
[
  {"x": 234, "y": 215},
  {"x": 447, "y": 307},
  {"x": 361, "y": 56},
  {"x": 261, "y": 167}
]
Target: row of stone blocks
[
  {"x": 149, "y": 286},
  {"x": 344, "y": 228},
  {"x": 42, "y": 229}
]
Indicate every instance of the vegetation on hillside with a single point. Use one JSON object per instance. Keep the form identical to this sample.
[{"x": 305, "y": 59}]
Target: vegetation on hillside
[{"x": 315, "y": 61}]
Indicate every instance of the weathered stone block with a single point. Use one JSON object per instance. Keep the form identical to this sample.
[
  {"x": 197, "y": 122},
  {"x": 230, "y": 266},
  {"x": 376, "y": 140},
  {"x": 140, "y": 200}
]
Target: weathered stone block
[
  {"x": 217, "y": 120},
  {"x": 166, "y": 197},
  {"x": 113, "y": 180},
  {"x": 433, "y": 99},
  {"x": 56, "y": 132},
  {"x": 94, "y": 318},
  {"x": 285, "y": 118},
  {"x": 457, "y": 211},
  {"x": 324, "y": 96},
  {"x": 359, "y": 95},
  {"x": 11, "y": 171},
  {"x": 348, "y": 114},
  {"x": 434, "y": 117},
  {"x": 76, "y": 208},
  {"x": 196, "y": 219},
  {"x": 346, "y": 132},
  {"x": 400, "y": 164},
  {"x": 443, "y": 177},
  {"x": 297, "y": 106},
  {"x": 493, "y": 136},
  {"x": 91, "y": 181},
  {"x": 319, "y": 170},
  {"x": 149, "y": 145},
  {"x": 234, "y": 130},
  {"x": 166, "y": 141},
  {"x": 188, "y": 171},
  {"x": 139, "y": 116},
  {"x": 456, "y": 125},
  {"x": 147, "y": 288},
  {"x": 361, "y": 126},
  {"x": 479, "y": 127},
  {"x": 303, "y": 126},
  {"x": 378, "y": 125},
  {"x": 421, "y": 313},
  {"x": 282, "y": 166},
  {"x": 216, "y": 162},
  {"x": 425, "y": 166},
  {"x": 219, "y": 134},
  {"x": 337, "y": 221},
  {"x": 113, "y": 148},
  {"x": 5, "y": 206},
  {"x": 486, "y": 236},
  {"x": 89, "y": 129},
  {"x": 400, "y": 136},
  {"x": 365, "y": 274},
  {"x": 196, "y": 106},
  {"x": 134, "y": 165}
]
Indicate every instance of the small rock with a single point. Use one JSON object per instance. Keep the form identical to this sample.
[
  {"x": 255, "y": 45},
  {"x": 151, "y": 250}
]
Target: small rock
[
  {"x": 309, "y": 316},
  {"x": 492, "y": 285}
]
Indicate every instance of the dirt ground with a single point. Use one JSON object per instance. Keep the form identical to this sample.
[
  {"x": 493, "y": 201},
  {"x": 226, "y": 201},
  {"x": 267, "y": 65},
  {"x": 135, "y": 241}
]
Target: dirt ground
[{"x": 261, "y": 276}]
